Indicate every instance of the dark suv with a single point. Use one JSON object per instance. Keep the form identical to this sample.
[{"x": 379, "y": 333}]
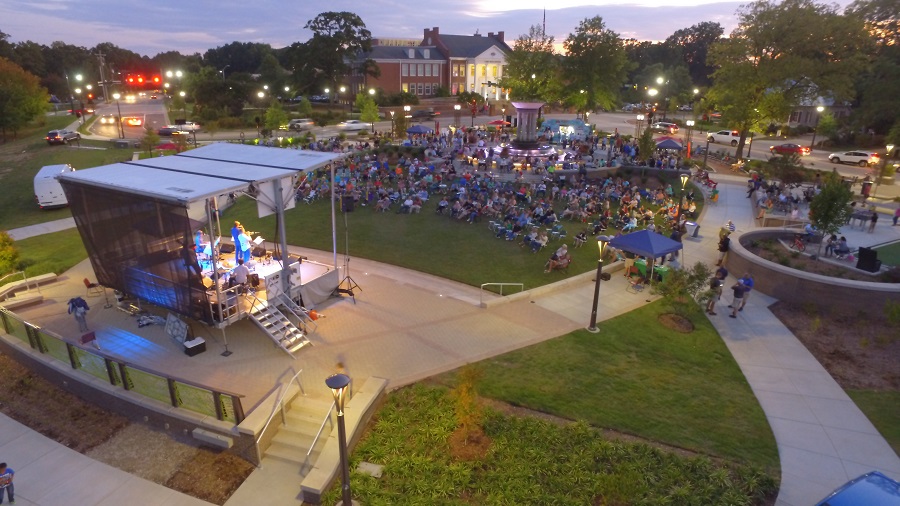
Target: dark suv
[
  {"x": 422, "y": 115},
  {"x": 62, "y": 136}
]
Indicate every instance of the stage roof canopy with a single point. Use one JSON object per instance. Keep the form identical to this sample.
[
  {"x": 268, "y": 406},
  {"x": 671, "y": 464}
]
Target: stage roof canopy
[{"x": 209, "y": 171}]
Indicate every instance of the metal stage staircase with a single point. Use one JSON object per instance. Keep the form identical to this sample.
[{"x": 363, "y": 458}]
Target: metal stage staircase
[{"x": 278, "y": 326}]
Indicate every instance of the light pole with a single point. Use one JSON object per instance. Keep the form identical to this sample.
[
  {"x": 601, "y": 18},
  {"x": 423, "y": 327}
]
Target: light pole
[
  {"x": 819, "y": 110},
  {"x": 664, "y": 82},
  {"x": 343, "y": 89},
  {"x": 392, "y": 124},
  {"x": 640, "y": 120},
  {"x": 652, "y": 92},
  {"x": 223, "y": 72},
  {"x": 884, "y": 164},
  {"x": 120, "y": 128},
  {"x": 456, "y": 112},
  {"x": 690, "y": 135},
  {"x": 338, "y": 384},
  {"x": 684, "y": 180},
  {"x": 183, "y": 104},
  {"x": 372, "y": 96},
  {"x": 602, "y": 241},
  {"x": 80, "y": 103}
]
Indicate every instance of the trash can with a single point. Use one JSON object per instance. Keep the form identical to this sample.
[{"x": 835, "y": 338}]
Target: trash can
[
  {"x": 866, "y": 188},
  {"x": 693, "y": 229}
]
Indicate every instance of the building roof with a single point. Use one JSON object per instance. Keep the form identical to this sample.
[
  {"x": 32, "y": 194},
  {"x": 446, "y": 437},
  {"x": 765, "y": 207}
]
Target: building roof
[
  {"x": 402, "y": 53},
  {"x": 470, "y": 46},
  {"x": 209, "y": 171}
]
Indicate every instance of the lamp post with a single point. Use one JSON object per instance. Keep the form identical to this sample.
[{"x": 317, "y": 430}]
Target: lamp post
[
  {"x": 665, "y": 83},
  {"x": 338, "y": 384},
  {"x": 183, "y": 104},
  {"x": 392, "y": 124},
  {"x": 640, "y": 120},
  {"x": 223, "y": 72},
  {"x": 884, "y": 164},
  {"x": 819, "y": 110},
  {"x": 120, "y": 128},
  {"x": 602, "y": 241},
  {"x": 80, "y": 103},
  {"x": 684, "y": 180},
  {"x": 456, "y": 111},
  {"x": 343, "y": 89},
  {"x": 690, "y": 135}
]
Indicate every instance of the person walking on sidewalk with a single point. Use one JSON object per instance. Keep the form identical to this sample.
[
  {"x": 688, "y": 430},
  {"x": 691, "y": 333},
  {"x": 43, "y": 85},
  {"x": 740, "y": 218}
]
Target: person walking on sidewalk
[
  {"x": 724, "y": 244},
  {"x": 747, "y": 281},
  {"x": 715, "y": 285},
  {"x": 873, "y": 221},
  {"x": 6, "y": 482},
  {"x": 738, "y": 290}
]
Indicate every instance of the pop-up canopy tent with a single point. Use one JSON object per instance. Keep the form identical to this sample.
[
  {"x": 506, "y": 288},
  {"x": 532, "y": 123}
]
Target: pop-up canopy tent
[
  {"x": 137, "y": 219},
  {"x": 668, "y": 143},
  {"x": 418, "y": 130},
  {"x": 646, "y": 244}
]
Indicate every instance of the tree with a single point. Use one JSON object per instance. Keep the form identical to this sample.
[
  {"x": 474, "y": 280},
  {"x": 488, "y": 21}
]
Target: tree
[
  {"x": 367, "y": 108},
  {"x": 338, "y": 38},
  {"x": 694, "y": 44},
  {"x": 532, "y": 69},
  {"x": 683, "y": 287},
  {"x": 22, "y": 99},
  {"x": 827, "y": 126},
  {"x": 275, "y": 116},
  {"x": 9, "y": 254},
  {"x": 401, "y": 123},
  {"x": 304, "y": 107},
  {"x": 149, "y": 140},
  {"x": 646, "y": 144},
  {"x": 767, "y": 66},
  {"x": 596, "y": 65},
  {"x": 830, "y": 209}
]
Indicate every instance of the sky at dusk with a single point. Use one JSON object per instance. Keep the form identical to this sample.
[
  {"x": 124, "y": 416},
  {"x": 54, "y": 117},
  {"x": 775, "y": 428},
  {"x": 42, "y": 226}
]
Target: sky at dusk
[{"x": 151, "y": 27}]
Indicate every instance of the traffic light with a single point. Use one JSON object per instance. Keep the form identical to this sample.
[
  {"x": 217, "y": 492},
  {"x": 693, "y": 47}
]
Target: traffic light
[{"x": 155, "y": 79}]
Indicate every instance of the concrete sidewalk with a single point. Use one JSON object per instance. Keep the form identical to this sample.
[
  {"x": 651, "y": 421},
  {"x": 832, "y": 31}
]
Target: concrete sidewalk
[{"x": 48, "y": 227}]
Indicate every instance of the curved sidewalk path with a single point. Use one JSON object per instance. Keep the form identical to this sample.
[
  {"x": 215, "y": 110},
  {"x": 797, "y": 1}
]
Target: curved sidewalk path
[{"x": 823, "y": 439}]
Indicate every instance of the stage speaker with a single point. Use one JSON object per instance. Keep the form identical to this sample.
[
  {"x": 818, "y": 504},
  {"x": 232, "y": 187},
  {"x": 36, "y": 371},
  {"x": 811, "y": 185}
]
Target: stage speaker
[
  {"x": 226, "y": 247},
  {"x": 868, "y": 260},
  {"x": 258, "y": 251},
  {"x": 347, "y": 204}
]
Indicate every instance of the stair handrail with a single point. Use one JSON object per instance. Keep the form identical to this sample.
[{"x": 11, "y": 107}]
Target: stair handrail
[
  {"x": 24, "y": 278},
  {"x": 279, "y": 404},
  {"x": 321, "y": 428}
]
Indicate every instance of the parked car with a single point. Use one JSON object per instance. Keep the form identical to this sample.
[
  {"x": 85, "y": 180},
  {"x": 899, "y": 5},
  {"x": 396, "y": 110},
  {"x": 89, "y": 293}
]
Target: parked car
[
  {"x": 870, "y": 489},
  {"x": 62, "y": 136},
  {"x": 353, "y": 124},
  {"x": 788, "y": 148},
  {"x": 686, "y": 107},
  {"x": 663, "y": 126},
  {"x": 726, "y": 137},
  {"x": 301, "y": 124},
  {"x": 861, "y": 158},
  {"x": 187, "y": 126}
]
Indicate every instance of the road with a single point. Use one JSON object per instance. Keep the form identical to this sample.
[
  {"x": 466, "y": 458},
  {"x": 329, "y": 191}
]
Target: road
[{"x": 152, "y": 113}]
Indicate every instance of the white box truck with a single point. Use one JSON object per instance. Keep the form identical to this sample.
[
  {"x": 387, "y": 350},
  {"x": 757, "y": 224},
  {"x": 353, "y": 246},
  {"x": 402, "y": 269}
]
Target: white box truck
[{"x": 48, "y": 193}]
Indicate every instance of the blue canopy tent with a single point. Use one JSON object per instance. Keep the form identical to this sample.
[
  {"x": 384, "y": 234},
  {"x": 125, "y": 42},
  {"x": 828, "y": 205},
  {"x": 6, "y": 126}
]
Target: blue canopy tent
[
  {"x": 668, "y": 144},
  {"x": 646, "y": 244},
  {"x": 418, "y": 129}
]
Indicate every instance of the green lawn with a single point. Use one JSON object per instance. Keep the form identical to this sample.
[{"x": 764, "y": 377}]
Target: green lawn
[
  {"x": 529, "y": 462},
  {"x": 424, "y": 242},
  {"x": 637, "y": 377},
  {"x": 21, "y": 158},
  {"x": 57, "y": 252},
  {"x": 883, "y": 410},
  {"x": 889, "y": 254}
]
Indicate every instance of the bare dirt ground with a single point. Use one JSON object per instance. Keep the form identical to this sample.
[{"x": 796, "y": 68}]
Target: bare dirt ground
[
  {"x": 199, "y": 471},
  {"x": 860, "y": 351}
]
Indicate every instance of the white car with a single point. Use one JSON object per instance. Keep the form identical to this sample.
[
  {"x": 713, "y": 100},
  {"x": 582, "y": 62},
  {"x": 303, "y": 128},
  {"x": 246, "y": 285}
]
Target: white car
[
  {"x": 353, "y": 124},
  {"x": 189, "y": 126},
  {"x": 726, "y": 137},
  {"x": 861, "y": 158}
]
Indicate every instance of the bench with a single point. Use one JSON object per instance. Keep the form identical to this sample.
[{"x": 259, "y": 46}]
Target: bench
[{"x": 17, "y": 302}]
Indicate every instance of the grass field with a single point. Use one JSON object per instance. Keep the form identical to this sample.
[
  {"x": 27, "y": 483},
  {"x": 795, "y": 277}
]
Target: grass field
[
  {"x": 889, "y": 254},
  {"x": 883, "y": 409},
  {"x": 21, "y": 158},
  {"x": 57, "y": 252},
  {"x": 640, "y": 378}
]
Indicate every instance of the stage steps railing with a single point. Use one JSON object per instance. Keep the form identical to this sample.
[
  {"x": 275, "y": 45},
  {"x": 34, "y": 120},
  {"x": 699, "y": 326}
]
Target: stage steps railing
[
  {"x": 277, "y": 326},
  {"x": 304, "y": 319}
]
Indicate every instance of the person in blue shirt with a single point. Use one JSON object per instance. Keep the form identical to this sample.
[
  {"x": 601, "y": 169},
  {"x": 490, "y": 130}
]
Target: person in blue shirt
[
  {"x": 747, "y": 280},
  {"x": 6, "y": 481}
]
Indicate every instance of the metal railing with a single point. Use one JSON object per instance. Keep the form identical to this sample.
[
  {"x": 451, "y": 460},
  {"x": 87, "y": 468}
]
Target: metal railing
[
  {"x": 501, "y": 285},
  {"x": 24, "y": 278},
  {"x": 117, "y": 372},
  {"x": 279, "y": 406},
  {"x": 321, "y": 428}
]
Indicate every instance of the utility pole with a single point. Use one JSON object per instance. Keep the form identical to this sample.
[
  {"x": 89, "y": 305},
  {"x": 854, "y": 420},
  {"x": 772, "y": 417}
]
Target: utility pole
[{"x": 103, "y": 83}]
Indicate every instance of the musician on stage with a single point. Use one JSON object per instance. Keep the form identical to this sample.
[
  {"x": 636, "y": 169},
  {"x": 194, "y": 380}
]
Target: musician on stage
[
  {"x": 236, "y": 232},
  {"x": 246, "y": 243}
]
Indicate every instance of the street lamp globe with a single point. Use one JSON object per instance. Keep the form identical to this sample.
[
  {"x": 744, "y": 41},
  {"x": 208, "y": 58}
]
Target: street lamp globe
[
  {"x": 260, "y": 94},
  {"x": 116, "y": 96},
  {"x": 652, "y": 92},
  {"x": 640, "y": 117},
  {"x": 659, "y": 80},
  {"x": 690, "y": 123},
  {"x": 327, "y": 91},
  {"x": 265, "y": 86},
  {"x": 169, "y": 74},
  {"x": 78, "y": 91},
  {"x": 182, "y": 94},
  {"x": 287, "y": 88},
  {"x": 820, "y": 108},
  {"x": 457, "y": 107},
  {"x": 343, "y": 89},
  {"x": 371, "y": 91}
]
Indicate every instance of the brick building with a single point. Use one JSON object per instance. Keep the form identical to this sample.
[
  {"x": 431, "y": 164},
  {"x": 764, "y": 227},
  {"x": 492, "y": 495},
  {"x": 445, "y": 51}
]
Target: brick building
[{"x": 455, "y": 63}]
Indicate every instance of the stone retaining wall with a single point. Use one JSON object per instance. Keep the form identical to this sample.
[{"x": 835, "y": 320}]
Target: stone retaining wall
[{"x": 801, "y": 287}]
